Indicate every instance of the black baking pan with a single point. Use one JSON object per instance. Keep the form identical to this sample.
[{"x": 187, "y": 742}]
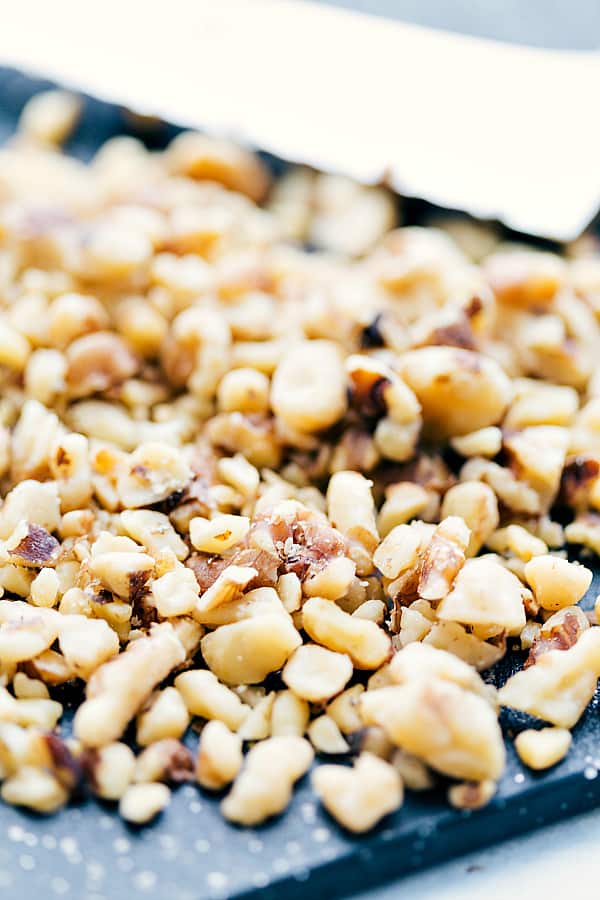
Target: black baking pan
[{"x": 191, "y": 853}]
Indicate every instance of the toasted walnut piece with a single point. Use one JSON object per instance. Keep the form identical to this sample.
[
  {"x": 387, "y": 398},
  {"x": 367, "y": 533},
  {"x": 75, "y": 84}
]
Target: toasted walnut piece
[
  {"x": 290, "y": 715},
  {"x": 486, "y": 442},
  {"x": 308, "y": 391},
  {"x": 50, "y": 116},
  {"x": 349, "y": 218},
  {"x": 45, "y": 375},
  {"x": 352, "y": 511},
  {"x": 326, "y": 737},
  {"x": 257, "y": 726},
  {"x": 141, "y": 325},
  {"x": 229, "y": 584},
  {"x": 476, "y": 503},
  {"x": 264, "y": 786},
  {"x": 26, "y": 688},
  {"x": 537, "y": 456},
  {"x": 372, "y": 610},
  {"x": 240, "y": 474},
  {"x": 32, "y": 546},
  {"x": 333, "y": 580},
  {"x": 243, "y": 390},
  {"x": 205, "y": 158},
  {"x": 452, "y": 729},
  {"x": 514, "y": 494},
  {"x": 72, "y": 315},
  {"x": 443, "y": 558},
  {"x": 456, "y": 639},
  {"x": 32, "y": 501},
  {"x": 289, "y": 589},
  {"x": 585, "y": 530},
  {"x": 424, "y": 661},
  {"x": 114, "y": 252},
  {"x": 166, "y": 760},
  {"x": 259, "y": 602},
  {"x": 345, "y": 709},
  {"x": 219, "y": 757},
  {"x": 118, "y": 688},
  {"x": 218, "y": 534},
  {"x": 154, "y": 472},
  {"x": 459, "y": 391},
  {"x": 560, "y": 684},
  {"x": 360, "y": 797},
  {"x": 25, "y": 631},
  {"x": 543, "y": 748},
  {"x": 86, "y": 643},
  {"x": 485, "y": 593},
  {"x": 471, "y": 794},
  {"x": 125, "y": 574},
  {"x": 398, "y": 551},
  {"x": 367, "y": 645},
  {"x": 14, "y": 348},
  {"x": 245, "y": 652},
  {"x": 51, "y": 667},
  {"x": 414, "y": 773},
  {"x": 555, "y": 582},
  {"x": 97, "y": 362},
  {"x": 404, "y": 501},
  {"x": 166, "y": 717},
  {"x": 154, "y": 531},
  {"x": 109, "y": 769},
  {"x": 316, "y": 674},
  {"x": 525, "y": 278},
  {"x": 414, "y": 626},
  {"x": 38, "y": 712},
  {"x": 537, "y": 403},
  {"x": 518, "y": 540},
  {"x": 175, "y": 593},
  {"x": 205, "y": 696},
  {"x": 35, "y": 789},
  {"x": 142, "y": 802}
]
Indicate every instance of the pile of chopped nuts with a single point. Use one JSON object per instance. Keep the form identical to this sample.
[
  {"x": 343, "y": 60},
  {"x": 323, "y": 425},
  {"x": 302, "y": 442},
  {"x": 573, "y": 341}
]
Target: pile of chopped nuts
[{"x": 295, "y": 501}]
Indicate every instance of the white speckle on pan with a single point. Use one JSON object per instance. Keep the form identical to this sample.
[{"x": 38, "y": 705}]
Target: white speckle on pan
[
  {"x": 121, "y": 845},
  {"x": 590, "y": 772},
  {"x": 27, "y": 862},
  {"x": 15, "y": 833},
  {"x": 260, "y": 879},
  {"x": 144, "y": 880},
  {"x": 308, "y": 812},
  {"x": 60, "y": 886},
  {"x": 519, "y": 778},
  {"x": 281, "y": 866},
  {"x": 202, "y": 845},
  {"x": 302, "y": 874},
  {"x": 169, "y": 846},
  {"x": 293, "y": 848},
  {"x": 216, "y": 880},
  {"x": 195, "y": 807},
  {"x": 95, "y": 871},
  {"x": 188, "y": 791},
  {"x": 30, "y": 840},
  {"x": 125, "y": 863},
  {"x": 255, "y": 845},
  {"x": 49, "y": 841},
  {"x": 321, "y": 835},
  {"x": 69, "y": 846}
]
